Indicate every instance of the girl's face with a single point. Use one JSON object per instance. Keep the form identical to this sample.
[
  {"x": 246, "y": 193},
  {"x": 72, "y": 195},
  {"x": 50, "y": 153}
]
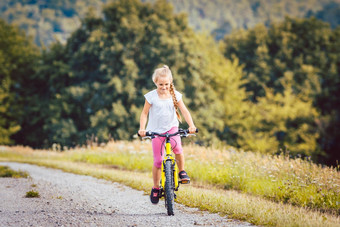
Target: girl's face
[{"x": 163, "y": 84}]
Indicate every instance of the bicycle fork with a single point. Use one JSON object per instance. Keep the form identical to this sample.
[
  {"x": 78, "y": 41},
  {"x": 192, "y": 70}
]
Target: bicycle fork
[{"x": 171, "y": 159}]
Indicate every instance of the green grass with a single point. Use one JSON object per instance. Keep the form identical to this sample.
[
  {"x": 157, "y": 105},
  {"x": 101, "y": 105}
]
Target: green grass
[
  {"x": 261, "y": 189},
  {"x": 32, "y": 194},
  {"x": 5, "y": 171},
  {"x": 121, "y": 159},
  {"x": 279, "y": 179},
  {"x": 294, "y": 181}
]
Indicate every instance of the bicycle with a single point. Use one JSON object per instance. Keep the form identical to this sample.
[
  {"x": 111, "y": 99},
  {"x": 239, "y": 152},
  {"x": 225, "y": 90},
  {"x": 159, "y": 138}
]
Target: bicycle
[{"x": 169, "y": 182}]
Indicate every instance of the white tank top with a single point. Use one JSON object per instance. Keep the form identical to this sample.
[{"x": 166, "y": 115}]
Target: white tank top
[{"x": 162, "y": 113}]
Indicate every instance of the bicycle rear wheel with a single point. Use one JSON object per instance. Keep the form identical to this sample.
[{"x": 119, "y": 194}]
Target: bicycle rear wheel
[{"x": 169, "y": 188}]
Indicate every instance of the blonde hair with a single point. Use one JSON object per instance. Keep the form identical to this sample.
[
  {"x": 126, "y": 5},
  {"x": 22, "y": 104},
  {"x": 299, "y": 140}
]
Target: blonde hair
[{"x": 165, "y": 71}]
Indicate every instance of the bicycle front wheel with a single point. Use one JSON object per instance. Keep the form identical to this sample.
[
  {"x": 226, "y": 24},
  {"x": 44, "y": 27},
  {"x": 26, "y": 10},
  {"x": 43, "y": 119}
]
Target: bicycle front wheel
[{"x": 169, "y": 188}]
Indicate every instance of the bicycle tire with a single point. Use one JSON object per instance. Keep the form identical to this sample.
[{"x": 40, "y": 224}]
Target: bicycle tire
[{"x": 169, "y": 188}]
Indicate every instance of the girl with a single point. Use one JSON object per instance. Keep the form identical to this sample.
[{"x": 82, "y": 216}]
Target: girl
[{"x": 162, "y": 106}]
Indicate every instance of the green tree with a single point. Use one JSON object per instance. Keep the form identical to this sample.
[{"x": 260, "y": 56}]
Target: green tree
[
  {"x": 18, "y": 57},
  {"x": 105, "y": 69},
  {"x": 305, "y": 49},
  {"x": 296, "y": 45},
  {"x": 288, "y": 121},
  {"x": 55, "y": 109}
]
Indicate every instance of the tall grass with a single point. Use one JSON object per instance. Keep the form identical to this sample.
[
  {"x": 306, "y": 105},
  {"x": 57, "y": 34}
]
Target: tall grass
[
  {"x": 279, "y": 179},
  {"x": 235, "y": 205}
]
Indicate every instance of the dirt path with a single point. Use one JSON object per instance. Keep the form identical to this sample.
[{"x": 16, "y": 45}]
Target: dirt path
[{"x": 73, "y": 200}]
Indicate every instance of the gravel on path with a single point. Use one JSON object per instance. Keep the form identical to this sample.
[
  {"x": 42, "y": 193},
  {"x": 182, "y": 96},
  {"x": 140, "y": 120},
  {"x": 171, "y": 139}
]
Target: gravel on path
[{"x": 68, "y": 199}]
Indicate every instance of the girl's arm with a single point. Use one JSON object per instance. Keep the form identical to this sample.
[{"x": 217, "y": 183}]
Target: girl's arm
[
  {"x": 144, "y": 118},
  {"x": 187, "y": 116}
]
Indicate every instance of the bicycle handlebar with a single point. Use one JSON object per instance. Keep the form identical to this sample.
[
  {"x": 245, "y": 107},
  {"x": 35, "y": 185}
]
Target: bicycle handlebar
[{"x": 182, "y": 132}]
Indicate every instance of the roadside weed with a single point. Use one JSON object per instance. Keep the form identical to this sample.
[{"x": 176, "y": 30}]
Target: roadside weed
[
  {"x": 32, "y": 194},
  {"x": 5, "y": 171}
]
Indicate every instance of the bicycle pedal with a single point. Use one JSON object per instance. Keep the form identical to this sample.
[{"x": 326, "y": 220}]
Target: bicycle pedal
[
  {"x": 185, "y": 181},
  {"x": 161, "y": 193}
]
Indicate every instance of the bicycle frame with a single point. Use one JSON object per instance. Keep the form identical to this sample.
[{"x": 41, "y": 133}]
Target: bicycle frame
[{"x": 168, "y": 157}]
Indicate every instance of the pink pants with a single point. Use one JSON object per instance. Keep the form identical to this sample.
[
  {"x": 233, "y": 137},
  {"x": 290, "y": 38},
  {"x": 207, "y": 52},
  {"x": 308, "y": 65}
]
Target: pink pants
[{"x": 158, "y": 147}]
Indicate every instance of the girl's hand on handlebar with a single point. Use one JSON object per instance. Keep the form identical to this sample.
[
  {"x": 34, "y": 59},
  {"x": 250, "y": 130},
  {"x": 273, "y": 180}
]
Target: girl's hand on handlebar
[
  {"x": 141, "y": 132},
  {"x": 192, "y": 129}
]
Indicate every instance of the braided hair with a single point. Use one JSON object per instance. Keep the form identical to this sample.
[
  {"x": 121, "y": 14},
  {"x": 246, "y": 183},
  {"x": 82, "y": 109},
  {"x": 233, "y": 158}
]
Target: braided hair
[{"x": 165, "y": 71}]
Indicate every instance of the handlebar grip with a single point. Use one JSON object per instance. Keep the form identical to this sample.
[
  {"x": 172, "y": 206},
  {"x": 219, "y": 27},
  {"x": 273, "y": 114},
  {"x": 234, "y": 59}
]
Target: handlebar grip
[
  {"x": 148, "y": 133},
  {"x": 187, "y": 130}
]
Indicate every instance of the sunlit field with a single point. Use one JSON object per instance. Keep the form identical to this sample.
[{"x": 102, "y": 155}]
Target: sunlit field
[
  {"x": 238, "y": 178},
  {"x": 295, "y": 181}
]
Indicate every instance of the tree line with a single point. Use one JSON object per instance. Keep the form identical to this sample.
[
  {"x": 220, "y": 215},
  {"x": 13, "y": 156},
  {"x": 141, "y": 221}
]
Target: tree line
[
  {"x": 48, "y": 21},
  {"x": 303, "y": 53},
  {"x": 269, "y": 90}
]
